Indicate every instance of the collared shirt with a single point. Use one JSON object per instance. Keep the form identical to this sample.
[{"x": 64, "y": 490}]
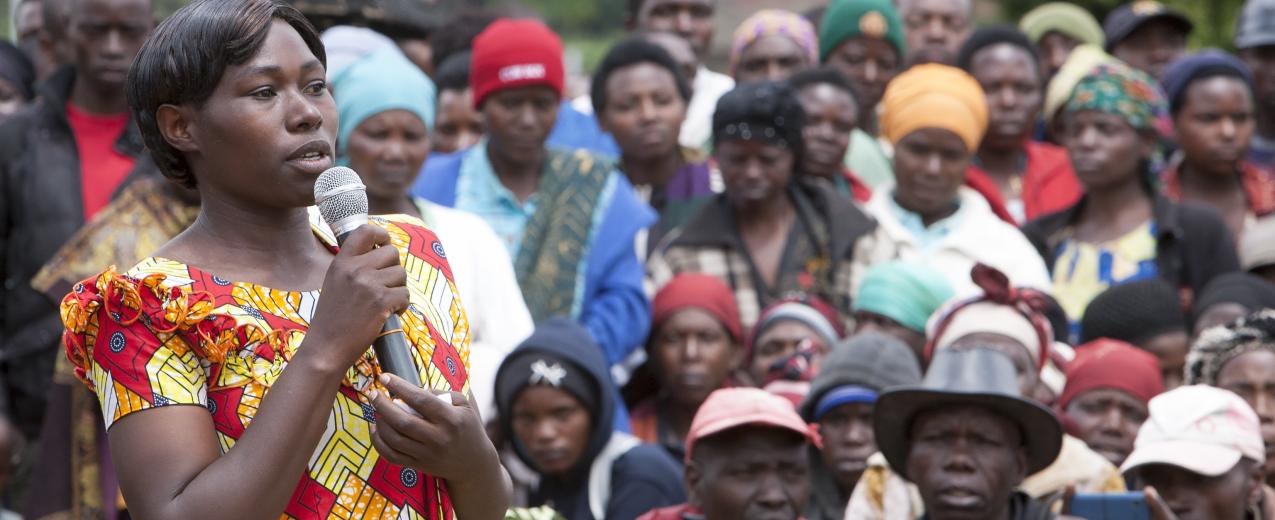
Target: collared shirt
[
  {"x": 927, "y": 236},
  {"x": 480, "y": 192}
]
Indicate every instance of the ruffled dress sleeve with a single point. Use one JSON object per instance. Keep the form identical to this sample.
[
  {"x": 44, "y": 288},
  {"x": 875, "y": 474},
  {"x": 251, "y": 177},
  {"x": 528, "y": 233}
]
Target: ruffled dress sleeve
[{"x": 138, "y": 344}]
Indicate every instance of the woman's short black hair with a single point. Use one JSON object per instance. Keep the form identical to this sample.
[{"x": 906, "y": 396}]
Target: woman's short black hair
[
  {"x": 824, "y": 76},
  {"x": 994, "y": 35},
  {"x": 184, "y": 59},
  {"x": 629, "y": 52},
  {"x": 765, "y": 111},
  {"x": 453, "y": 74}
]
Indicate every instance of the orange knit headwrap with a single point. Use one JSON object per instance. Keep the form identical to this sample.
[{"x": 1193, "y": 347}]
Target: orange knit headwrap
[{"x": 934, "y": 96}]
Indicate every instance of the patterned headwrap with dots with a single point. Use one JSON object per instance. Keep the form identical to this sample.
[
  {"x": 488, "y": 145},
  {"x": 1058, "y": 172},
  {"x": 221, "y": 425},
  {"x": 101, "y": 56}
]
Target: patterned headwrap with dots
[
  {"x": 775, "y": 22},
  {"x": 1221, "y": 344},
  {"x": 765, "y": 111}
]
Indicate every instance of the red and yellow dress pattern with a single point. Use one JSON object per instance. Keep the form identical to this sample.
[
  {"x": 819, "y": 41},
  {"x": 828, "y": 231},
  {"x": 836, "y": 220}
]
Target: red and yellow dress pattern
[{"x": 166, "y": 333}]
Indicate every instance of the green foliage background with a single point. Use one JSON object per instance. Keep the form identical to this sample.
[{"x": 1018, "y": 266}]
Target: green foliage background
[{"x": 1214, "y": 19}]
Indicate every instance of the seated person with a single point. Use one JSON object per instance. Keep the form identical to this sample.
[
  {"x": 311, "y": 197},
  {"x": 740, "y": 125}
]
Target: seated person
[
  {"x": 832, "y": 114},
  {"x": 568, "y": 220},
  {"x": 1147, "y": 315},
  {"x": 1230, "y": 297},
  {"x": 936, "y": 117},
  {"x": 787, "y": 346},
  {"x": 772, "y": 232},
  {"x": 897, "y": 299},
  {"x": 1105, "y": 400},
  {"x": 1199, "y": 455},
  {"x": 745, "y": 458},
  {"x": 1240, "y": 357},
  {"x": 840, "y": 402},
  {"x": 772, "y": 45},
  {"x": 1213, "y": 105},
  {"x": 640, "y": 97},
  {"x": 696, "y": 344},
  {"x": 556, "y": 402},
  {"x": 967, "y": 437}
]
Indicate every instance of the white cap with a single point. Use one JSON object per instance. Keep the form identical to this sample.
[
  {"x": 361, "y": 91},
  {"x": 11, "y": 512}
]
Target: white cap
[{"x": 1199, "y": 428}]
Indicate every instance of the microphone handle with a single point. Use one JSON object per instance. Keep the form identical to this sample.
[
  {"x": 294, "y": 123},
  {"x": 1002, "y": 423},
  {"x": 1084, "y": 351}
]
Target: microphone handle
[
  {"x": 393, "y": 354},
  {"x": 391, "y": 348}
]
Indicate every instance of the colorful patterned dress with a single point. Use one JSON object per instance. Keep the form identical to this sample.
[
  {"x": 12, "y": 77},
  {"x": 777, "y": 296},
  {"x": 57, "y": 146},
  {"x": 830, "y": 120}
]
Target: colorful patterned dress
[{"x": 166, "y": 333}]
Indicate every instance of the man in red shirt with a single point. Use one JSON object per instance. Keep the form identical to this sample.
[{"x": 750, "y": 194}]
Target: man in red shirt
[{"x": 61, "y": 159}]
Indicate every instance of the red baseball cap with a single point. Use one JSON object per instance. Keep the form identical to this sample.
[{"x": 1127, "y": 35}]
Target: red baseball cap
[
  {"x": 515, "y": 53},
  {"x": 731, "y": 408}
]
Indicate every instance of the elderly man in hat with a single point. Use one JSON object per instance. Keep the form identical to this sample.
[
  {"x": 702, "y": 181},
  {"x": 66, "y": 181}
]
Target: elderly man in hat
[
  {"x": 967, "y": 437},
  {"x": 1147, "y": 35}
]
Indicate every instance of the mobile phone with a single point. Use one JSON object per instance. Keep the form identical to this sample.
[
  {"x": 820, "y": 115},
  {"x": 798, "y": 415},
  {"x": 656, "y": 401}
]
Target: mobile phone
[{"x": 1110, "y": 506}]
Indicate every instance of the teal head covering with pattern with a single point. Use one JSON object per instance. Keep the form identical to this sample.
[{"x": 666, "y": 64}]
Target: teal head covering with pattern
[{"x": 1118, "y": 89}]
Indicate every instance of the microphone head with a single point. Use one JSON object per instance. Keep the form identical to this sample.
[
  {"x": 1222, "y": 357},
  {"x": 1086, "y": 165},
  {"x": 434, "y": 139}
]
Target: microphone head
[{"x": 342, "y": 199}]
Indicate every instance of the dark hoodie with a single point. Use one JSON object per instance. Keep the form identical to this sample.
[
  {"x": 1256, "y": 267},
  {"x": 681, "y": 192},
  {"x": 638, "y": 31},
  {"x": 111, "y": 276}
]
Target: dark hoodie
[
  {"x": 872, "y": 361},
  {"x": 643, "y": 478}
]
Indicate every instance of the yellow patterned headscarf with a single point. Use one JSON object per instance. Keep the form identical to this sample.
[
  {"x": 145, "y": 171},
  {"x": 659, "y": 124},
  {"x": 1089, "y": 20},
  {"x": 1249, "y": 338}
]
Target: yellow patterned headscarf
[{"x": 934, "y": 96}]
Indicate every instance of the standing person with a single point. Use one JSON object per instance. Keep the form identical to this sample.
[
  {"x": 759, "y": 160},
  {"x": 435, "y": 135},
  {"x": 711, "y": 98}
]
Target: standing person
[
  {"x": 692, "y": 20},
  {"x": 1025, "y": 177},
  {"x": 1257, "y": 249},
  {"x": 640, "y": 98},
  {"x": 1240, "y": 357},
  {"x": 459, "y": 126},
  {"x": 1123, "y": 229},
  {"x": 1212, "y": 100},
  {"x": 1105, "y": 400},
  {"x": 1082, "y": 60},
  {"x": 1146, "y": 35},
  {"x": 936, "y": 116},
  {"x": 1199, "y": 455},
  {"x": 841, "y": 401},
  {"x": 61, "y": 159},
  {"x": 1255, "y": 41},
  {"x": 771, "y": 233},
  {"x": 935, "y": 29},
  {"x": 1146, "y": 314},
  {"x": 556, "y": 402},
  {"x": 745, "y": 458},
  {"x": 864, "y": 40},
  {"x": 567, "y": 218},
  {"x": 1230, "y": 297},
  {"x": 1057, "y": 28},
  {"x": 772, "y": 45},
  {"x": 696, "y": 344},
  {"x": 787, "y": 347},
  {"x": 264, "y": 378},
  {"x": 897, "y": 299},
  {"x": 384, "y": 104},
  {"x": 832, "y": 116},
  {"x": 17, "y": 78}
]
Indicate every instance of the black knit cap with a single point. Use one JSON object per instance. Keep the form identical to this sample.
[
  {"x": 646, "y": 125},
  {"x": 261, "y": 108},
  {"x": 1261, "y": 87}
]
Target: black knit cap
[
  {"x": 765, "y": 111},
  {"x": 1248, "y": 290},
  {"x": 1134, "y": 312}
]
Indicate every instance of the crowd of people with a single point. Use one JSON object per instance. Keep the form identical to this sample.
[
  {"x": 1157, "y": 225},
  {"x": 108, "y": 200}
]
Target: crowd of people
[{"x": 888, "y": 264}]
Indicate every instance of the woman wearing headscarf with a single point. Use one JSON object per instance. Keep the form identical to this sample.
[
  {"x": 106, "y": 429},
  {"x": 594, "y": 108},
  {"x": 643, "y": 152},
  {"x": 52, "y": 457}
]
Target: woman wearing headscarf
[
  {"x": 841, "y": 400},
  {"x": 936, "y": 116},
  {"x": 1213, "y": 104},
  {"x": 864, "y": 40},
  {"x": 897, "y": 299},
  {"x": 787, "y": 347},
  {"x": 386, "y": 108},
  {"x": 1081, "y": 60},
  {"x": 1240, "y": 357},
  {"x": 772, "y": 232},
  {"x": 1105, "y": 401},
  {"x": 696, "y": 344},
  {"x": 771, "y": 45},
  {"x": 1057, "y": 29},
  {"x": 1122, "y": 229}
]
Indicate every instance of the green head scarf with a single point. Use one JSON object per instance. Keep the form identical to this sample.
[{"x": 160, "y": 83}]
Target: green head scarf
[{"x": 846, "y": 19}]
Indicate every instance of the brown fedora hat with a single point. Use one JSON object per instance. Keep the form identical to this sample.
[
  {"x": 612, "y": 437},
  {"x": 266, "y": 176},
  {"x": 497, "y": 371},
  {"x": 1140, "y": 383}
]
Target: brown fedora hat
[{"x": 980, "y": 377}]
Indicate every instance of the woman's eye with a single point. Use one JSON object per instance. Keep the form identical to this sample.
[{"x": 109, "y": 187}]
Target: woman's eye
[
  {"x": 263, "y": 93},
  {"x": 316, "y": 88}
]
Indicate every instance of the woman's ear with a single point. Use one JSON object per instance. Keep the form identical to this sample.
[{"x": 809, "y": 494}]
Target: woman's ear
[{"x": 176, "y": 124}]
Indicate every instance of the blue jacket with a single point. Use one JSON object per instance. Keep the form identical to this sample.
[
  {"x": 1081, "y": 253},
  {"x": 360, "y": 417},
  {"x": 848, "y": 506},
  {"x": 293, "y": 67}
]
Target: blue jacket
[{"x": 614, "y": 306}]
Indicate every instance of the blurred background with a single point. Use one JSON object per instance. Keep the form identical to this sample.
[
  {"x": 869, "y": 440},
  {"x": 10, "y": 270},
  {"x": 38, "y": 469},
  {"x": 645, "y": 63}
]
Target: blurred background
[{"x": 589, "y": 27}]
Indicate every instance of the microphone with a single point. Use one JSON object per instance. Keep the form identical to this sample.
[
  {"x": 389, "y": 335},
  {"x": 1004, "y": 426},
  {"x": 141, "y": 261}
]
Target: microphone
[{"x": 342, "y": 200}]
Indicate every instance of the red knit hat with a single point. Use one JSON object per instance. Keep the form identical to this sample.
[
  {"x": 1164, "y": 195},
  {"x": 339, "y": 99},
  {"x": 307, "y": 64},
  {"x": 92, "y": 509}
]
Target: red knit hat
[
  {"x": 1114, "y": 364},
  {"x": 515, "y": 53},
  {"x": 702, "y": 292}
]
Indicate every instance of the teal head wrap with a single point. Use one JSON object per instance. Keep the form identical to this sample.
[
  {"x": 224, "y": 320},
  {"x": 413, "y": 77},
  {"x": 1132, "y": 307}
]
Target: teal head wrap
[
  {"x": 904, "y": 292},
  {"x": 379, "y": 82}
]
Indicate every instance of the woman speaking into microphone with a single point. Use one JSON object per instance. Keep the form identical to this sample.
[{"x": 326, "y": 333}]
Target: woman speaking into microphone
[{"x": 254, "y": 317}]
